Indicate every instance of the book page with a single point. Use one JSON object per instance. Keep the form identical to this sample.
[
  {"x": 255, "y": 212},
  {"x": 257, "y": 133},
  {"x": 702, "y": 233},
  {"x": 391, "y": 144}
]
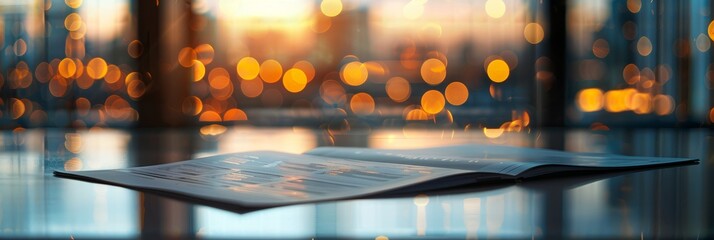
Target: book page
[
  {"x": 268, "y": 178},
  {"x": 491, "y": 159}
]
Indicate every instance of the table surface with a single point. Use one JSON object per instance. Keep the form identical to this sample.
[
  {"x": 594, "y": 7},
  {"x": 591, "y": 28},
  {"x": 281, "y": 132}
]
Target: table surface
[{"x": 670, "y": 202}]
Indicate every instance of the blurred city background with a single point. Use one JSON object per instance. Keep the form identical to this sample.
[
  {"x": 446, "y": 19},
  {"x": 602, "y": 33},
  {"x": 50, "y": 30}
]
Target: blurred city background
[{"x": 491, "y": 65}]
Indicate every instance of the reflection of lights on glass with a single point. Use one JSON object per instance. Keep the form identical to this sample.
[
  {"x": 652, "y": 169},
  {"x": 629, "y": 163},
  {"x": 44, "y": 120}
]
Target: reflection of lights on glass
[
  {"x": 495, "y": 8},
  {"x": 213, "y": 130},
  {"x": 433, "y": 102},
  {"x": 270, "y": 71},
  {"x": 421, "y": 201},
  {"x": 73, "y": 142},
  {"x": 456, "y": 93},
  {"x": 73, "y": 164},
  {"x": 294, "y": 80},
  {"x": 472, "y": 216},
  {"x": 590, "y": 99},
  {"x": 331, "y": 8},
  {"x": 498, "y": 70},
  {"x": 533, "y": 32},
  {"x": 398, "y": 89},
  {"x": 433, "y": 71},
  {"x": 416, "y": 115},
  {"x": 493, "y": 132},
  {"x": 644, "y": 46},
  {"x": 362, "y": 104},
  {"x": 354, "y": 73}
]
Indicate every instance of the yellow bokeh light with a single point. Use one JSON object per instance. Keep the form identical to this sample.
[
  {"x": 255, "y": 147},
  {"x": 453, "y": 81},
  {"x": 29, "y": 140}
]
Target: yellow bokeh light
[
  {"x": 362, "y": 104},
  {"x": 80, "y": 67},
  {"x": 219, "y": 78},
  {"x": 186, "y": 56},
  {"x": 354, "y": 73},
  {"x": 432, "y": 102},
  {"x": 711, "y": 115},
  {"x": 590, "y": 99},
  {"x": 398, "y": 89},
  {"x": 634, "y": 5},
  {"x": 67, "y": 68},
  {"x": 644, "y": 46},
  {"x": 135, "y": 89},
  {"x": 307, "y": 68},
  {"x": 199, "y": 70},
  {"x": 135, "y": 49},
  {"x": 73, "y": 3},
  {"x": 456, "y": 93},
  {"x": 631, "y": 73},
  {"x": 248, "y": 68},
  {"x": 235, "y": 114},
  {"x": 331, "y": 8},
  {"x": 498, "y": 70},
  {"x": 533, "y": 32},
  {"x": 96, "y": 68},
  {"x": 294, "y": 80},
  {"x": 618, "y": 100},
  {"x": 271, "y": 71},
  {"x": 641, "y": 103},
  {"x": 433, "y": 71},
  {"x": 73, "y": 22},
  {"x": 495, "y": 8},
  {"x": 710, "y": 30},
  {"x": 417, "y": 115},
  {"x": 213, "y": 130},
  {"x": 205, "y": 53}
]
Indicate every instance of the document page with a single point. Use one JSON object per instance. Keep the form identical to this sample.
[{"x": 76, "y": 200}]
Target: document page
[
  {"x": 256, "y": 179},
  {"x": 492, "y": 159}
]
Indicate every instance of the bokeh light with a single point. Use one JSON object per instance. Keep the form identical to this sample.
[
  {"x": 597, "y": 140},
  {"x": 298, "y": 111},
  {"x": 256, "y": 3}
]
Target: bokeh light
[
  {"x": 331, "y": 8},
  {"x": 590, "y": 100},
  {"x": 294, "y": 80},
  {"x": 398, "y": 89},
  {"x": 533, "y": 32},
  {"x": 354, "y": 73},
  {"x": 248, "y": 68},
  {"x": 96, "y": 68},
  {"x": 456, "y": 93},
  {"x": 362, "y": 104},
  {"x": 498, "y": 70},
  {"x": 433, "y": 71},
  {"x": 495, "y": 8},
  {"x": 271, "y": 71},
  {"x": 433, "y": 102}
]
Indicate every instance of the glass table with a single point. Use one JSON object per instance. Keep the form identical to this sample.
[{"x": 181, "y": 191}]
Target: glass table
[{"x": 669, "y": 202}]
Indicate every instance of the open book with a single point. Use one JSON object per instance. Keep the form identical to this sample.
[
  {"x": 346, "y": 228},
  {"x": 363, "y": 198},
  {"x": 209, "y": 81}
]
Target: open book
[{"x": 265, "y": 179}]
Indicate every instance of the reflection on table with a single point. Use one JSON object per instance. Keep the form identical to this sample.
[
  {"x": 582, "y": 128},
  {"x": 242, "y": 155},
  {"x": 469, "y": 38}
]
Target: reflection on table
[{"x": 669, "y": 202}]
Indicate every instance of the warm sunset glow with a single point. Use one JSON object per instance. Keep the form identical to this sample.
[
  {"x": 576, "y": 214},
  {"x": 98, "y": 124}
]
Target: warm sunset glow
[
  {"x": 433, "y": 71},
  {"x": 498, "y": 70},
  {"x": 433, "y": 102}
]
